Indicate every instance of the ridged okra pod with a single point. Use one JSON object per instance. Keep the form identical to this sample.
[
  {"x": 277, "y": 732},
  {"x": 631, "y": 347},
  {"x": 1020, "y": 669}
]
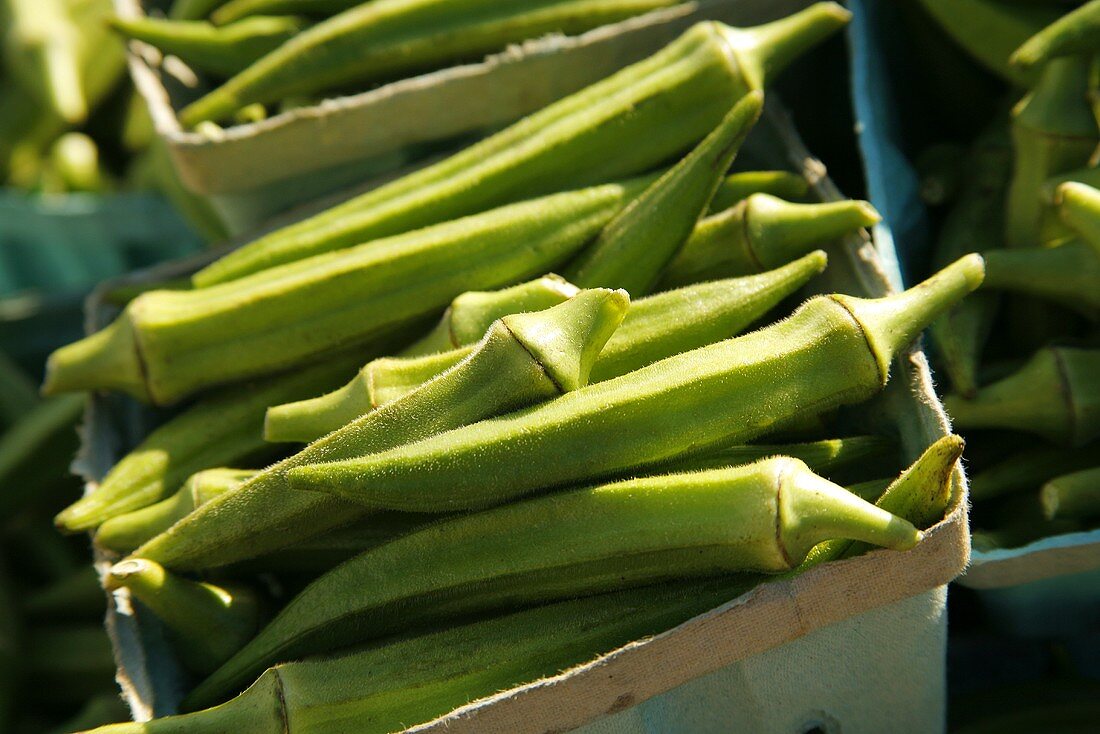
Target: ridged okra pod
[
  {"x": 125, "y": 532},
  {"x": 225, "y": 428},
  {"x": 1079, "y": 207},
  {"x": 1077, "y": 33},
  {"x": 1056, "y": 395},
  {"x": 628, "y": 123},
  {"x": 738, "y": 186},
  {"x": 1068, "y": 274},
  {"x": 760, "y": 233},
  {"x": 1028, "y": 469},
  {"x": 834, "y": 350},
  {"x": 637, "y": 244},
  {"x": 523, "y": 359},
  {"x": 223, "y": 51},
  {"x": 208, "y": 624},
  {"x": 764, "y": 517},
  {"x": 298, "y": 312},
  {"x": 656, "y": 327},
  {"x": 376, "y": 690},
  {"x": 1073, "y": 496}
]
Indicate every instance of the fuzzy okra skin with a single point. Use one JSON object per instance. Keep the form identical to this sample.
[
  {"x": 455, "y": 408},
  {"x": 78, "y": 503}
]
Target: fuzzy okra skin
[
  {"x": 760, "y": 233},
  {"x": 764, "y": 517},
  {"x": 523, "y": 359},
  {"x": 1075, "y": 33},
  {"x": 1056, "y": 395},
  {"x": 834, "y": 350},
  {"x": 208, "y": 623},
  {"x": 1079, "y": 207},
  {"x": 656, "y": 327},
  {"x": 738, "y": 186},
  {"x": 224, "y": 428},
  {"x": 1068, "y": 274},
  {"x": 1073, "y": 496},
  {"x": 628, "y": 123},
  {"x": 223, "y": 51},
  {"x": 170, "y": 344},
  {"x": 1026, "y": 470}
]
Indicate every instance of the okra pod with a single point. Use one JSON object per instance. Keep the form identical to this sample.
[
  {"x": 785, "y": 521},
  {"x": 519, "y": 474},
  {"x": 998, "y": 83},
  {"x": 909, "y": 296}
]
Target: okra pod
[
  {"x": 656, "y": 327},
  {"x": 224, "y": 428},
  {"x": 1079, "y": 207},
  {"x": 199, "y": 9},
  {"x": 1075, "y": 33},
  {"x": 40, "y": 41},
  {"x": 834, "y": 350},
  {"x": 222, "y": 51},
  {"x": 1073, "y": 496},
  {"x": 1068, "y": 274},
  {"x": 764, "y": 518},
  {"x": 1056, "y": 395},
  {"x": 738, "y": 186},
  {"x": 523, "y": 359},
  {"x": 760, "y": 233},
  {"x": 170, "y": 344},
  {"x": 638, "y": 243},
  {"x": 624, "y": 125},
  {"x": 74, "y": 165},
  {"x": 235, "y": 10},
  {"x": 208, "y": 624}
]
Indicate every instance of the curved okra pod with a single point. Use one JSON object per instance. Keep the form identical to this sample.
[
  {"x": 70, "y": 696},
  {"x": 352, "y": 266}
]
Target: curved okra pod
[
  {"x": 223, "y": 51},
  {"x": 834, "y": 350},
  {"x": 624, "y": 125},
  {"x": 208, "y": 624},
  {"x": 656, "y": 327},
  {"x": 224, "y": 428},
  {"x": 1028, "y": 469},
  {"x": 824, "y": 457},
  {"x": 1056, "y": 395},
  {"x": 760, "y": 233},
  {"x": 1073, "y": 496},
  {"x": 638, "y": 243},
  {"x": 1075, "y": 33},
  {"x": 1068, "y": 274},
  {"x": 523, "y": 359},
  {"x": 1079, "y": 207},
  {"x": 125, "y": 532},
  {"x": 170, "y": 344},
  {"x": 738, "y": 186},
  {"x": 764, "y": 518}
]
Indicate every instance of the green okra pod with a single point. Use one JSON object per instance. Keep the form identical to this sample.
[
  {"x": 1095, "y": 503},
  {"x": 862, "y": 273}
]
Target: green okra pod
[
  {"x": 1079, "y": 207},
  {"x": 208, "y": 624},
  {"x": 77, "y": 596},
  {"x": 169, "y": 344},
  {"x": 235, "y": 10},
  {"x": 40, "y": 44},
  {"x": 224, "y": 428},
  {"x": 35, "y": 453},
  {"x": 125, "y": 532},
  {"x": 1056, "y": 395},
  {"x": 1075, "y": 33},
  {"x": 199, "y": 9},
  {"x": 738, "y": 186},
  {"x": 74, "y": 165},
  {"x": 523, "y": 359},
  {"x": 622, "y": 126},
  {"x": 1025, "y": 470},
  {"x": 221, "y": 51},
  {"x": 1073, "y": 496},
  {"x": 656, "y": 327},
  {"x": 764, "y": 517},
  {"x": 637, "y": 244},
  {"x": 760, "y": 233},
  {"x": 834, "y": 350},
  {"x": 1068, "y": 274}
]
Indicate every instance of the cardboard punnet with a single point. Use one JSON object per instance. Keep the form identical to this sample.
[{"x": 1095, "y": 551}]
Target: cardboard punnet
[
  {"x": 252, "y": 171},
  {"x": 844, "y": 624}
]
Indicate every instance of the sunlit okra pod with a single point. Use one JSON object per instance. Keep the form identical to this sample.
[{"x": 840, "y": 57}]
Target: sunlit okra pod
[
  {"x": 824, "y": 457},
  {"x": 223, "y": 51},
  {"x": 125, "y": 532},
  {"x": 523, "y": 359},
  {"x": 1073, "y": 496},
  {"x": 293, "y": 314},
  {"x": 760, "y": 233},
  {"x": 738, "y": 186},
  {"x": 764, "y": 517},
  {"x": 1068, "y": 274},
  {"x": 1075, "y": 33},
  {"x": 628, "y": 123},
  {"x": 638, "y": 243},
  {"x": 74, "y": 165},
  {"x": 1056, "y": 395},
  {"x": 834, "y": 350},
  {"x": 223, "y": 429},
  {"x": 656, "y": 327},
  {"x": 1026, "y": 470},
  {"x": 1079, "y": 207}
]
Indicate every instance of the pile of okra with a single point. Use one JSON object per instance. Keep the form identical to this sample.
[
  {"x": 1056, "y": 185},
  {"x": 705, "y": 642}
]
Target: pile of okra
[
  {"x": 1021, "y": 358},
  {"x": 554, "y": 393}
]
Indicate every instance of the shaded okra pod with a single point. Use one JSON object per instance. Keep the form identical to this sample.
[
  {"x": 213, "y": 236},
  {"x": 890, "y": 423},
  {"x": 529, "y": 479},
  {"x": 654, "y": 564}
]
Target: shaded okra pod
[
  {"x": 764, "y": 517},
  {"x": 169, "y": 344},
  {"x": 1079, "y": 207},
  {"x": 234, "y": 10},
  {"x": 375, "y": 690},
  {"x": 626, "y": 124},
  {"x": 760, "y": 233},
  {"x": 1068, "y": 274},
  {"x": 638, "y": 243},
  {"x": 523, "y": 359},
  {"x": 833, "y": 350},
  {"x": 223, "y": 51},
  {"x": 1025, "y": 470},
  {"x": 77, "y": 596},
  {"x": 208, "y": 624},
  {"x": 224, "y": 428},
  {"x": 388, "y": 39},
  {"x": 738, "y": 186},
  {"x": 125, "y": 532},
  {"x": 1056, "y": 395},
  {"x": 1073, "y": 496},
  {"x": 656, "y": 327},
  {"x": 35, "y": 453},
  {"x": 1075, "y": 33}
]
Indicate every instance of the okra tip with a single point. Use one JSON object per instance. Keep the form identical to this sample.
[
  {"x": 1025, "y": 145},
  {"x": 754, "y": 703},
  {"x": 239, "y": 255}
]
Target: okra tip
[
  {"x": 129, "y": 571},
  {"x": 1077, "y": 199},
  {"x": 106, "y": 359}
]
